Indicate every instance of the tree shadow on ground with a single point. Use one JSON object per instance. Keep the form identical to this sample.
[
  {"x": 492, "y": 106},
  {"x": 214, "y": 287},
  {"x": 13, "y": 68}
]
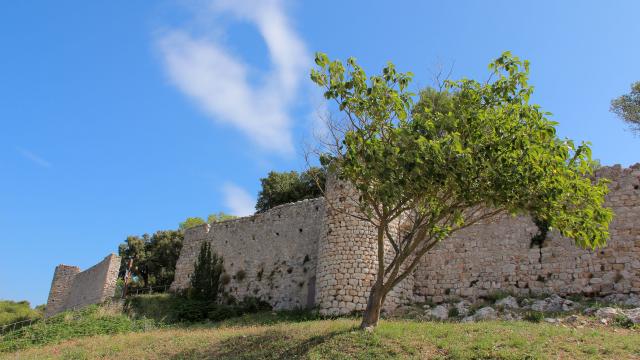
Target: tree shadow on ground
[
  {"x": 266, "y": 318},
  {"x": 268, "y": 344}
]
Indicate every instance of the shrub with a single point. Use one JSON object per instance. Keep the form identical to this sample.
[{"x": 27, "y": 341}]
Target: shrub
[
  {"x": 222, "y": 312},
  {"x": 14, "y": 311},
  {"x": 454, "y": 312},
  {"x": 171, "y": 308},
  {"x": 241, "y": 275},
  {"x": 191, "y": 310},
  {"x": 533, "y": 316},
  {"x": 622, "y": 321},
  {"x": 225, "y": 279},
  {"x": 205, "y": 280},
  {"x": 497, "y": 295}
]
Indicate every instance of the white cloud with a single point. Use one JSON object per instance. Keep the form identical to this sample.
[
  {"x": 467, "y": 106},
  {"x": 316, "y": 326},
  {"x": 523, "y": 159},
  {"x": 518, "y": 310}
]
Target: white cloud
[
  {"x": 220, "y": 82},
  {"x": 238, "y": 201},
  {"x": 34, "y": 158}
]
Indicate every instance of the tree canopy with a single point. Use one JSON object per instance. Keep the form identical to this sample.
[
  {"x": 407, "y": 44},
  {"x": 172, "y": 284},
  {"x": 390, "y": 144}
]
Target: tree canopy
[
  {"x": 212, "y": 218},
  {"x": 285, "y": 187},
  {"x": 153, "y": 257},
  {"x": 627, "y": 107},
  {"x": 425, "y": 169}
]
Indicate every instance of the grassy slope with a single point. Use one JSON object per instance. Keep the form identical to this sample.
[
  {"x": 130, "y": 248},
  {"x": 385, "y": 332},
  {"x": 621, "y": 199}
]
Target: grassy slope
[
  {"x": 266, "y": 336},
  {"x": 12, "y": 311}
]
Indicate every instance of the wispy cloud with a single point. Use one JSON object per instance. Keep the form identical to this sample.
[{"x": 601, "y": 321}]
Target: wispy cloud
[
  {"x": 238, "y": 200},
  {"x": 222, "y": 84},
  {"x": 34, "y": 158}
]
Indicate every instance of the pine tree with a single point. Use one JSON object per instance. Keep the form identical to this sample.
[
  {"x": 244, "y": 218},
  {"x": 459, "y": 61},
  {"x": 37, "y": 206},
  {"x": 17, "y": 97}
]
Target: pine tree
[{"x": 205, "y": 281}]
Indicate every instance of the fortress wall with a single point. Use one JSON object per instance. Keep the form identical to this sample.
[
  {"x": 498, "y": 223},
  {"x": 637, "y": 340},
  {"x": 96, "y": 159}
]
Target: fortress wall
[
  {"x": 347, "y": 262},
  {"x": 276, "y": 250},
  {"x": 96, "y": 284},
  {"x": 71, "y": 288},
  {"x": 496, "y": 256},
  {"x": 60, "y": 287},
  {"x": 482, "y": 259}
]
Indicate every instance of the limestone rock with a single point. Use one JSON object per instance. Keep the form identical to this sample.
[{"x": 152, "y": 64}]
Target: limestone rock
[
  {"x": 463, "y": 307},
  {"x": 633, "y": 300},
  {"x": 607, "y": 313},
  {"x": 508, "y": 303},
  {"x": 439, "y": 312},
  {"x": 571, "y": 319},
  {"x": 633, "y": 315},
  {"x": 485, "y": 313},
  {"x": 554, "y": 303}
]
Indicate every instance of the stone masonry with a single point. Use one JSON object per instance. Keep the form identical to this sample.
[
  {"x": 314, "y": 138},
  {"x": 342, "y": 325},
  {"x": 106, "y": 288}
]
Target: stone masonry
[
  {"x": 71, "y": 288},
  {"x": 270, "y": 255},
  {"x": 496, "y": 256},
  {"x": 314, "y": 253},
  {"x": 347, "y": 260}
]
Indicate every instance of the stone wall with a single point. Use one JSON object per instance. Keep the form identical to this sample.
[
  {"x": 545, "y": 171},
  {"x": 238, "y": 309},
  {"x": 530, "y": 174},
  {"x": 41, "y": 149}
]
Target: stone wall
[
  {"x": 496, "y": 256},
  {"x": 271, "y": 255},
  {"x": 60, "y": 287},
  {"x": 71, "y": 288},
  {"x": 278, "y": 252},
  {"x": 347, "y": 260}
]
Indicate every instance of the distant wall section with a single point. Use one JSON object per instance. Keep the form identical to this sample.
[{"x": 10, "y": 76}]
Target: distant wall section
[
  {"x": 71, "y": 288},
  {"x": 270, "y": 255}
]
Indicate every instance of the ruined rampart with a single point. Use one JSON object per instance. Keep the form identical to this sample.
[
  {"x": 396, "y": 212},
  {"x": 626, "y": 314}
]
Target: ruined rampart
[
  {"x": 71, "y": 288},
  {"x": 270, "y": 255},
  {"x": 315, "y": 252}
]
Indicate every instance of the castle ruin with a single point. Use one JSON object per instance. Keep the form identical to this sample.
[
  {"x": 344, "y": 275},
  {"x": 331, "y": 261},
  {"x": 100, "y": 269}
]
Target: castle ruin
[
  {"x": 72, "y": 289},
  {"x": 308, "y": 254}
]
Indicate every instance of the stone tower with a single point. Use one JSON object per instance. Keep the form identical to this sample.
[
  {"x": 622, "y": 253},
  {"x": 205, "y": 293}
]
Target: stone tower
[
  {"x": 347, "y": 261},
  {"x": 63, "y": 278}
]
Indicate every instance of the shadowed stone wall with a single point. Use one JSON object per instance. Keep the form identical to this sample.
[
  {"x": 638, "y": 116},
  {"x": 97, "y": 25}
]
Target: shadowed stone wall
[
  {"x": 271, "y": 255},
  {"x": 71, "y": 288}
]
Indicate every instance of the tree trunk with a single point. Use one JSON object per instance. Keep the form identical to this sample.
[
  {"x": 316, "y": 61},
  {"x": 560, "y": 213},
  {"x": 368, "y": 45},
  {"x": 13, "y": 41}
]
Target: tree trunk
[{"x": 374, "y": 306}]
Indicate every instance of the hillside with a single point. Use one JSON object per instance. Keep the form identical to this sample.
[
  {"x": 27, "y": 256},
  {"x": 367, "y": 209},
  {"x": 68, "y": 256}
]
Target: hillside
[
  {"x": 271, "y": 336},
  {"x": 14, "y": 311}
]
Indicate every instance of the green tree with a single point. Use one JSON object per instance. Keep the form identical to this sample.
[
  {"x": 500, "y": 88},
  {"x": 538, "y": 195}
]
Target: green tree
[
  {"x": 191, "y": 222},
  {"x": 427, "y": 169},
  {"x": 152, "y": 258},
  {"x": 134, "y": 258},
  {"x": 286, "y": 187},
  {"x": 205, "y": 280},
  {"x": 221, "y": 216},
  {"x": 627, "y": 107}
]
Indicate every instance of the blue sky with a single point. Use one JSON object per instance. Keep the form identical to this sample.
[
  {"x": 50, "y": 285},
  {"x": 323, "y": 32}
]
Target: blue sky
[{"x": 125, "y": 117}]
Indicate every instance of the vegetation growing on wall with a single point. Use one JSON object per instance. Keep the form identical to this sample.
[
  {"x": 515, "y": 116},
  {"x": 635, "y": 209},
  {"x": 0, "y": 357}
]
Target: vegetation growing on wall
[{"x": 286, "y": 187}]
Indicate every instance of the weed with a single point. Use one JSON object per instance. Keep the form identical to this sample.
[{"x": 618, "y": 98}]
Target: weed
[{"x": 533, "y": 316}]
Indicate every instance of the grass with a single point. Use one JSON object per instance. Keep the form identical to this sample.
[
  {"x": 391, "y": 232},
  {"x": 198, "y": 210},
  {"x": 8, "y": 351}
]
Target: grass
[
  {"x": 294, "y": 335},
  {"x": 93, "y": 320},
  {"x": 14, "y": 311}
]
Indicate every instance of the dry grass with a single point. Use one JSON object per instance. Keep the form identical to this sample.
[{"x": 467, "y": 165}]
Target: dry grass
[{"x": 265, "y": 336}]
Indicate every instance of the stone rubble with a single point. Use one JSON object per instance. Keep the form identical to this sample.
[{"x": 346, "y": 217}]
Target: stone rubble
[{"x": 508, "y": 303}]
